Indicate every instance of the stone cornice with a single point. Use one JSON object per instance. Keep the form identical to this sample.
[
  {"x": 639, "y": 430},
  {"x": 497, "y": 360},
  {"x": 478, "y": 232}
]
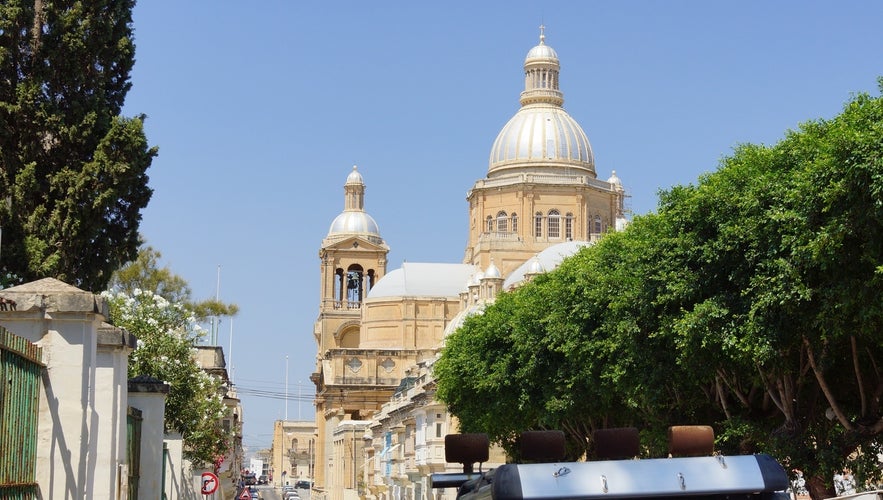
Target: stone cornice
[{"x": 52, "y": 295}]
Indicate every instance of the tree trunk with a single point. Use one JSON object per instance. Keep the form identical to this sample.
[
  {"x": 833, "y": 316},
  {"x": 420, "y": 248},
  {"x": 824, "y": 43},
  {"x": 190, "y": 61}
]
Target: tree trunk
[
  {"x": 37, "y": 30},
  {"x": 819, "y": 489}
]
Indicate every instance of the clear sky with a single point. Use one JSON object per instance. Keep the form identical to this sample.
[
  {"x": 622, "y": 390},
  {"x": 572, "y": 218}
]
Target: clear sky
[{"x": 261, "y": 109}]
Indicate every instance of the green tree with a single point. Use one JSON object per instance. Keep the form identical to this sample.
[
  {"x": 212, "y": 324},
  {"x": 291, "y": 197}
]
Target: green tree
[
  {"x": 72, "y": 170},
  {"x": 750, "y": 300},
  {"x": 788, "y": 241},
  {"x": 155, "y": 304},
  {"x": 574, "y": 350},
  {"x": 145, "y": 273}
]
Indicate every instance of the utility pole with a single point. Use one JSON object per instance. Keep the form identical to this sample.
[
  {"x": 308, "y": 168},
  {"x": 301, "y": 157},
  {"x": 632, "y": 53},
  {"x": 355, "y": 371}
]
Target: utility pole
[{"x": 286, "y": 388}]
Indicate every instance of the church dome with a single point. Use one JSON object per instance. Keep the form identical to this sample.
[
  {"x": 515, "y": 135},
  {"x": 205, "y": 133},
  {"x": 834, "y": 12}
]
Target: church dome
[
  {"x": 535, "y": 266},
  {"x": 541, "y": 137},
  {"x": 492, "y": 271},
  {"x": 354, "y": 221},
  {"x": 541, "y": 51},
  {"x": 615, "y": 181},
  {"x": 355, "y": 177}
]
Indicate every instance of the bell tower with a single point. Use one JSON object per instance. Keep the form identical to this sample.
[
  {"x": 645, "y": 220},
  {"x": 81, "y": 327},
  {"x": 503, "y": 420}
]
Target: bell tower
[{"x": 353, "y": 258}]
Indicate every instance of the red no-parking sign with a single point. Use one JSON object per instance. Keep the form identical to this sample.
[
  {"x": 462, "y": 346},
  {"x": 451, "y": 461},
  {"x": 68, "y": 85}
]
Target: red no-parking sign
[{"x": 209, "y": 483}]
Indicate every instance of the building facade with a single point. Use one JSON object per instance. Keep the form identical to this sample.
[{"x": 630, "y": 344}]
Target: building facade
[
  {"x": 378, "y": 333},
  {"x": 84, "y": 429},
  {"x": 81, "y": 420},
  {"x": 293, "y": 454}
]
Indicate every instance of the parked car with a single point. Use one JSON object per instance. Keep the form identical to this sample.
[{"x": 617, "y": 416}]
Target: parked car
[{"x": 302, "y": 485}]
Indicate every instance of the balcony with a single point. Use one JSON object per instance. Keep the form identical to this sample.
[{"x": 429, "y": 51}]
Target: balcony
[{"x": 341, "y": 305}]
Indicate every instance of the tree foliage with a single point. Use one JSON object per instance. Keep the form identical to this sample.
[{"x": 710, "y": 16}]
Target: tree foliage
[
  {"x": 146, "y": 273},
  {"x": 167, "y": 334},
  {"x": 750, "y": 300},
  {"x": 72, "y": 170},
  {"x": 154, "y": 304}
]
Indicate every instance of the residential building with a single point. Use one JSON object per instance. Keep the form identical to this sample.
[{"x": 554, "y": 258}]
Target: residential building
[
  {"x": 211, "y": 359},
  {"x": 292, "y": 457}
]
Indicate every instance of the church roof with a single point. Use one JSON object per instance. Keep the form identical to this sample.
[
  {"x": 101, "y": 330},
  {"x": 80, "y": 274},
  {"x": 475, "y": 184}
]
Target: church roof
[
  {"x": 424, "y": 279},
  {"x": 461, "y": 316},
  {"x": 548, "y": 259}
]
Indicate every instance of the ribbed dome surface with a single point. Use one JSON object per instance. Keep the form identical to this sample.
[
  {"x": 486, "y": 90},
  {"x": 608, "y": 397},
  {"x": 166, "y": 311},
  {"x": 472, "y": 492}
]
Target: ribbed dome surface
[
  {"x": 541, "y": 137},
  {"x": 541, "y": 51},
  {"x": 355, "y": 177},
  {"x": 542, "y": 133}
]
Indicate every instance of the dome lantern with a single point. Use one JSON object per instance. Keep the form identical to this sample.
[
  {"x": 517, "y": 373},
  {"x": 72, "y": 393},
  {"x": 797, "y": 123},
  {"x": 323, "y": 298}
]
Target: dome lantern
[
  {"x": 541, "y": 68},
  {"x": 541, "y": 137},
  {"x": 354, "y": 221}
]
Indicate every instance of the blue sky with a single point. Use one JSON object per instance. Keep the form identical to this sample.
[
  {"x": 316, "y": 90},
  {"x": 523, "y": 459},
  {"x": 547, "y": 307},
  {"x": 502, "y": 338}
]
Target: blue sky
[{"x": 260, "y": 111}]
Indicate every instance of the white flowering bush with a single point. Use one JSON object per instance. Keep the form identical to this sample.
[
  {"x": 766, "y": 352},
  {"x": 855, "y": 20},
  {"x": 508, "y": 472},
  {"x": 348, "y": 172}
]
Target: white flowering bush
[
  {"x": 8, "y": 279},
  {"x": 167, "y": 335}
]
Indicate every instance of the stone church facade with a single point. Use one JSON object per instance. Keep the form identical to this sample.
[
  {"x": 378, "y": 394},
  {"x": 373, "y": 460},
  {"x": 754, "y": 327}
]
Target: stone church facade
[{"x": 380, "y": 431}]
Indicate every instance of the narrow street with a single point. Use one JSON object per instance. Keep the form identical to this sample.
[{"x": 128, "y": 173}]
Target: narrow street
[{"x": 270, "y": 492}]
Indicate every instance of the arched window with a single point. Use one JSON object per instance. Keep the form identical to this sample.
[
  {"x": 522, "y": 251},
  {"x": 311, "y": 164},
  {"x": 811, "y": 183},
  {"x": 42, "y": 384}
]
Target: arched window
[
  {"x": 514, "y": 222},
  {"x": 554, "y": 224},
  {"x": 354, "y": 286},
  {"x": 502, "y": 222},
  {"x": 490, "y": 224},
  {"x": 597, "y": 228},
  {"x": 538, "y": 225},
  {"x": 339, "y": 287},
  {"x": 568, "y": 226}
]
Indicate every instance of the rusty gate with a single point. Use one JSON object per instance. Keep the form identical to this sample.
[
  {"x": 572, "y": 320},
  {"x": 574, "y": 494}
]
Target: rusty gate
[{"x": 20, "y": 370}]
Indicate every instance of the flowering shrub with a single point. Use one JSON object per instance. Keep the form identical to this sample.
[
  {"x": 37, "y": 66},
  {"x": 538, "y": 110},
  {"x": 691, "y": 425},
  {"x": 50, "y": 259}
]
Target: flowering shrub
[
  {"x": 8, "y": 279},
  {"x": 167, "y": 335}
]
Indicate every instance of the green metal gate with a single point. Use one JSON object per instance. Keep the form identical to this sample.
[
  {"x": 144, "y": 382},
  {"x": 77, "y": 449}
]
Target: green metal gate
[
  {"x": 133, "y": 450},
  {"x": 20, "y": 369}
]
